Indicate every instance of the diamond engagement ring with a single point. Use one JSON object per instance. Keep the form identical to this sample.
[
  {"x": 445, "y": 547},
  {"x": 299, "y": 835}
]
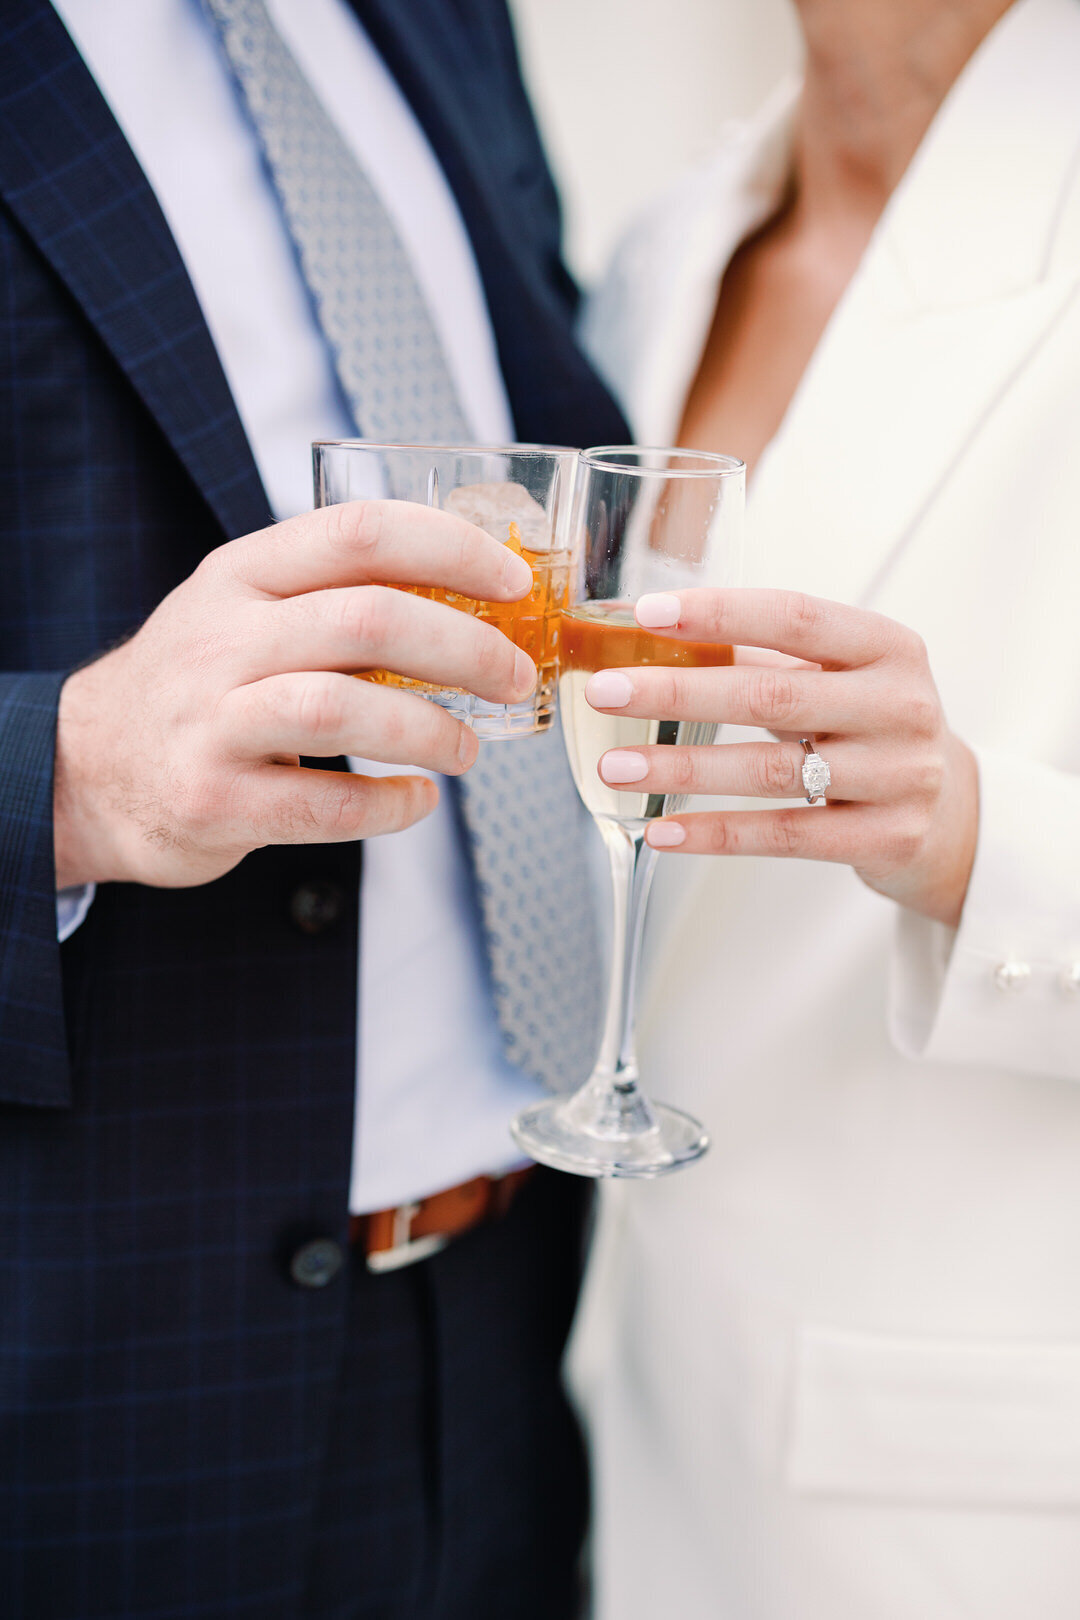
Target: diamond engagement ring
[{"x": 816, "y": 775}]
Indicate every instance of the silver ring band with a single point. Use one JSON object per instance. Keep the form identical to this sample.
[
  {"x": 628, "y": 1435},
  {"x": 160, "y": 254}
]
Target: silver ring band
[{"x": 816, "y": 775}]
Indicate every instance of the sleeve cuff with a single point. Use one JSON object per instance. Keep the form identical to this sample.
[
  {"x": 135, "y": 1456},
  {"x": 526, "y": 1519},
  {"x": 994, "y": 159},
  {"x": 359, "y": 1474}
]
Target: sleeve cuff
[
  {"x": 72, "y": 906},
  {"x": 1003, "y": 990}
]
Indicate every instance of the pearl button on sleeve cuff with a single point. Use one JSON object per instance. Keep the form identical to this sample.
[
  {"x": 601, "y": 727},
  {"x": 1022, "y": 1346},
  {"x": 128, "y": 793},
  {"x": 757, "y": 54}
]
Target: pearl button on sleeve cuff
[{"x": 1004, "y": 989}]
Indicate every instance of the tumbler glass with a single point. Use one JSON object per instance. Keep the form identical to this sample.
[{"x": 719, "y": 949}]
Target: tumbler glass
[{"x": 520, "y": 494}]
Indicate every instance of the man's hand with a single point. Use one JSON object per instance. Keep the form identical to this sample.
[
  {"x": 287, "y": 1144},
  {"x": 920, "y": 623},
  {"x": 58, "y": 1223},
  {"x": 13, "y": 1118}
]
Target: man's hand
[{"x": 178, "y": 752}]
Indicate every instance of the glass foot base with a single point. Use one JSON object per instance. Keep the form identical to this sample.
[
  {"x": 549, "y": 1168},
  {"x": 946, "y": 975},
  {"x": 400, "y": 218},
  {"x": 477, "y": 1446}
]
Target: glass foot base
[
  {"x": 494, "y": 721},
  {"x": 491, "y": 721},
  {"x": 550, "y": 1134}
]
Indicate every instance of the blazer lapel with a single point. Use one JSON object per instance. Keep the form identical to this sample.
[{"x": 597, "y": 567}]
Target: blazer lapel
[
  {"x": 883, "y": 416},
  {"x": 69, "y": 177},
  {"x": 957, "y": 292}
]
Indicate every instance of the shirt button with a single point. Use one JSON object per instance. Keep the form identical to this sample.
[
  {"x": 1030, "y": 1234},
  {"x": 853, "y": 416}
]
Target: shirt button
[
  {"x": 1012, "y": 976},
  {"x": 1070, "y": 981},
  {"x": 315, "y": 907},
  {"x": 315, "y": 1264}
]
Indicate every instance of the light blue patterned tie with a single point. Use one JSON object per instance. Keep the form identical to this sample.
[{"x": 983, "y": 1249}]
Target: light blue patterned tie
[{"x": 525, "y": 823}]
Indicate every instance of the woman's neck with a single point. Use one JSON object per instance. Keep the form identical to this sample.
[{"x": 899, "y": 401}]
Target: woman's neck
[{"x": 876, "y": 73}]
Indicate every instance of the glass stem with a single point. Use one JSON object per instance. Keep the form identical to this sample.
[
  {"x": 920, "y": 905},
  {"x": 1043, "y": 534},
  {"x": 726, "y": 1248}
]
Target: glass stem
[{"x": 633, "y": 862}]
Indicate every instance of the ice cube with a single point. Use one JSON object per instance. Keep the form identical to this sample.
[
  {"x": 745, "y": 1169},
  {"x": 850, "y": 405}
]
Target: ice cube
[{"x": 493, "y": 507}]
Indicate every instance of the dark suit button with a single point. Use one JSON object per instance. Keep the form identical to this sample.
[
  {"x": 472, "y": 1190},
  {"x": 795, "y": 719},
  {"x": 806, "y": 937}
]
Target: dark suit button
[
  {"x": 315, "y": 907},
  {"x": 316, "y": 1263}
]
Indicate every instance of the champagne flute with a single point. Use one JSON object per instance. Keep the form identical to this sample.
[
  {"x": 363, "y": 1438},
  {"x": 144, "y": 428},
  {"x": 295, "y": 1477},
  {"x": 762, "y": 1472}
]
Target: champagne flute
[{"x": 644, "y": 520}]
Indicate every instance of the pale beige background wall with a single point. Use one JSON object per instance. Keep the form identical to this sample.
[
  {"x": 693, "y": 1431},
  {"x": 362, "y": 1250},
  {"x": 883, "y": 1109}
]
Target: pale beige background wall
[{"x": 630, "y": 90}]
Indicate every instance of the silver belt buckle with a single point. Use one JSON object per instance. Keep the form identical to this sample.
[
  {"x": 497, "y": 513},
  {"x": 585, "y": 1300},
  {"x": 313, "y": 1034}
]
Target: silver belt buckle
[{"x": 406, "y": 1250}]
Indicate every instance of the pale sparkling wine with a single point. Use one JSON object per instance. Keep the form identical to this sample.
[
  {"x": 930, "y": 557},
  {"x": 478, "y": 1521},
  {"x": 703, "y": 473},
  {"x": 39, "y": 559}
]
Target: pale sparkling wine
[{"x": 605, "y": 635}]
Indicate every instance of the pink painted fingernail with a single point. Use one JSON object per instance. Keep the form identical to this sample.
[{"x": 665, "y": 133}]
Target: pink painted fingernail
[
  {"x": 665, "y": 835},
  {"x": 609, "y": 689},
  {"x": 623, "y": 765},
  {"x": 658, "y": 611}
]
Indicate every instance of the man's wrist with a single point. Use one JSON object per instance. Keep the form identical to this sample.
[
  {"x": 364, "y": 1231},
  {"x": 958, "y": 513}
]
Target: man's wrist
[{"x": 82, "y": 845}]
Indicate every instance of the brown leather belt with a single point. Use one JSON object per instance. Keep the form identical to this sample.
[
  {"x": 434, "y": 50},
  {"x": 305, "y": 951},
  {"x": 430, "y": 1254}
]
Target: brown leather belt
[{"x": 391, "y": 1238}]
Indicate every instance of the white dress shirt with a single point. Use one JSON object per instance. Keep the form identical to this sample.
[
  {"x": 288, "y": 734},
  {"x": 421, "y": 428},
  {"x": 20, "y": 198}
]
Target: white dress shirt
[{"x": 435, "y": 1095}]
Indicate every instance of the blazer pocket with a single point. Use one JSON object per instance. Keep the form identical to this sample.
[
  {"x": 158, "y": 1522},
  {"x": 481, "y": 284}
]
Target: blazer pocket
[{"x": 936, "y": 1421}]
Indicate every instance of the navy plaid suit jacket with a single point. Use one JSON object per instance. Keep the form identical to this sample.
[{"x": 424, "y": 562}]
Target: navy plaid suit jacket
[{"x": 176, "y": 1082}]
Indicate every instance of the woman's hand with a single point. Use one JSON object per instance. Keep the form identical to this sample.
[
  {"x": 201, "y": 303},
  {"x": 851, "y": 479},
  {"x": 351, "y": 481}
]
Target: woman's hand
[{"x": 903, "y": 805}]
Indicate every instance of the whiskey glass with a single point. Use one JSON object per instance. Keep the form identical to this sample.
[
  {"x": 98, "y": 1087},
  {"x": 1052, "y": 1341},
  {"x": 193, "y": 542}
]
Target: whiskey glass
[
  {"x": 520, "y": 494},
  {"x": 644, "y": 520}
]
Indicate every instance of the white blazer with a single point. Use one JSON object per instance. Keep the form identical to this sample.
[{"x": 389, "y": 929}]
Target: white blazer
[{"x": 833, "y": 1372}]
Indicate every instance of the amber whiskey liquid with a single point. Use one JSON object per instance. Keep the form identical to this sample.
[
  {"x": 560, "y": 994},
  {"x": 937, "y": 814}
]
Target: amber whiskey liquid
[
  {"x": 531, "y": 624},
  {"x": 605, "y": 635}
]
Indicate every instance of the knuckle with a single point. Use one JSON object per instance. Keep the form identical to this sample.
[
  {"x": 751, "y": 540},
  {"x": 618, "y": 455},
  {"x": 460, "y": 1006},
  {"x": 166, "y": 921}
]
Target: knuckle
[
  {"x": 721, "y": 836},
  {"x": 198, "y": 803},
  {"x": 911, "y": 645},
  {"x": 906, "y": 644},
  {"x": 320, "y": 706},
  {"x": 888, "y": 641},
  {"x": 355, "y": 528},
  {"x": 771, "y": 697},
  {"x": 905, "y": 840},
  {"x": 777, "y": 774},
  {"x": 217, "y": 566},
  {"x": 337, "y": 527},
  {"x": 804, "y": 614},
  {"x": 923, "y": 716},
  {"x": 714, "y": 615},
  {"x": 929, "y": 777},
  {"x": 787, "y": 831},
  {"x": 366, "y": 615},
  {"x": 222, "y": 572},
  {"x": 682, "y": 768},
  {"x": 235, "y": 565},
  {"x": 339, "y": 809},
  {"x": 669, "y": 692},
  {"x": 368, "y": 531}
]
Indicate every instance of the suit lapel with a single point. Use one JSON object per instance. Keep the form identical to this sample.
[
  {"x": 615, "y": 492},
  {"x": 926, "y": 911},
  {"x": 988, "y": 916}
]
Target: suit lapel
[
  {"x": 70, "y": 179},
  {"x": 442, "y": 68},
  {"x": 958, "y": 291}
]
